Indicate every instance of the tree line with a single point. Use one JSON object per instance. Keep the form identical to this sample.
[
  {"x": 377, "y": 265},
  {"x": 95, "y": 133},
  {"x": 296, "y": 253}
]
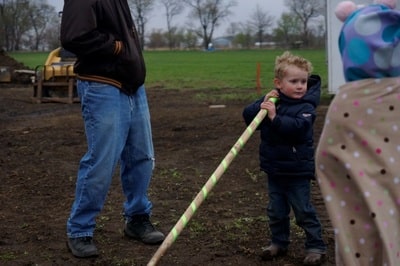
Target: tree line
[{"x": 34, "y": 24}]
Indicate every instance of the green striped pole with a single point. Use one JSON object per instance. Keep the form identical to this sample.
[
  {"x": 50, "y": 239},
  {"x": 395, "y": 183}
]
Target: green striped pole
[{"x": 210, "y": 184}]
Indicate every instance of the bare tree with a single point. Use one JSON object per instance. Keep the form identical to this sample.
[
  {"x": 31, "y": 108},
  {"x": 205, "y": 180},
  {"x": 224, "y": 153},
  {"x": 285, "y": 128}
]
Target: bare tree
[
  {"x": 209, "y": 13},
  {"x": 288, "y": 27},
  {"x": 305, "y": 10},
  {"x": 260, "y": 21},
  {"x": 140, "y": 10},
  {"x": 157, "y": 39},
  {"x": 232, "y": 29},
  {"x": 41, "y": 16},
  {"x": 24, "y": 23},
  {"x": 3, "y": 26},
  {"x": 52, "y": 35},
  {"x": 189, "y": 39},
  {"x": 244, "y": 38},
  {"x": 18, "y": 19},
  {"x": 172, "y": 9}
]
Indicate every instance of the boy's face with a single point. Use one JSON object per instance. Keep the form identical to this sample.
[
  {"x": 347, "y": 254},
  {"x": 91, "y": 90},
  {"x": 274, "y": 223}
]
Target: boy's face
[{"x": 294, "y": 83}]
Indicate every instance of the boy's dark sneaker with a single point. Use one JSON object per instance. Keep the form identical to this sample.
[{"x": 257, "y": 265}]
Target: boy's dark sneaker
[
  {"x": 272, "y": 251},
  {"x": 140, "y": 228},
  {"x": 82, "y": 247}
]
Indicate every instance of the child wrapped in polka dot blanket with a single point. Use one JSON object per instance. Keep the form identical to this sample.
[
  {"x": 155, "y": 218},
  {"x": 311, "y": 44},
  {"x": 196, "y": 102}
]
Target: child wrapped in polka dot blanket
[{"x": 358, "y": 154}]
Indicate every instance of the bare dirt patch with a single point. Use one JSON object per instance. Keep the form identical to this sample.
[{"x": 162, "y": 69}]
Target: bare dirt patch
[{"x": 41, "y": 145}]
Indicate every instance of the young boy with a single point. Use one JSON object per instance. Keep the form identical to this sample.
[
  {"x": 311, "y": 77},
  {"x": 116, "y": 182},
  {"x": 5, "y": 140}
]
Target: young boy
[{"x": 287, "y": 155}]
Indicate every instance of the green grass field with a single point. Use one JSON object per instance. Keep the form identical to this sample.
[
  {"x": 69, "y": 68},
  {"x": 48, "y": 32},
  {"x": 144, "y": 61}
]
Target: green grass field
[
  {"x": 30, "y": 59},
  {"x": 235, "y": 69}
]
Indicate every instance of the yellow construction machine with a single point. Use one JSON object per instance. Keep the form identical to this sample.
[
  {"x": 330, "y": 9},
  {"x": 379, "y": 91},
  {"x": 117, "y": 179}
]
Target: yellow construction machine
[{"x": 55, "y": 80}]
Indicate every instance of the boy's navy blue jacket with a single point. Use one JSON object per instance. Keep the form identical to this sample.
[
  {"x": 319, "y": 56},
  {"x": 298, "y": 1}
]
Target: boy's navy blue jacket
[{"x": 287, "y": 142}]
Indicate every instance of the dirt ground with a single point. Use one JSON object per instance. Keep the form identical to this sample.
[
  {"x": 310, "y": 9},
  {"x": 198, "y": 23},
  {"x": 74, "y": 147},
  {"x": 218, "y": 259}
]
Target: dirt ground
[{"x": 41, "y": 145}]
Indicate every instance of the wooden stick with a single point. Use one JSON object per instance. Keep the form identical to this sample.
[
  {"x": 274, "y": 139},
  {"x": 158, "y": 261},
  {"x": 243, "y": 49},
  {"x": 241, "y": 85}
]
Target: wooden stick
[{"x": 210, "y": 184}]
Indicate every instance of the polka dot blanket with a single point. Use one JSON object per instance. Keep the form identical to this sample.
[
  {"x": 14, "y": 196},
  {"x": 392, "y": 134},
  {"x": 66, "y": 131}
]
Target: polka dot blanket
[{"x": 358, "y": 171}]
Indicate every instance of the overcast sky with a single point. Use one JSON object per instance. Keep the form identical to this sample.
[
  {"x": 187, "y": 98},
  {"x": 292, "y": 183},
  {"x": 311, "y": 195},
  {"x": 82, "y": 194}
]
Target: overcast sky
[{"x": 241, "y": 13}]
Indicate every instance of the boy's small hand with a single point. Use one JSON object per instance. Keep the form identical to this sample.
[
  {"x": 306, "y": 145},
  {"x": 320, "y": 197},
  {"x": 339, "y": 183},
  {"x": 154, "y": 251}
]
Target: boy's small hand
[
  {"x": 272, "y": 94},
  {"x": 270, "y": 107}
]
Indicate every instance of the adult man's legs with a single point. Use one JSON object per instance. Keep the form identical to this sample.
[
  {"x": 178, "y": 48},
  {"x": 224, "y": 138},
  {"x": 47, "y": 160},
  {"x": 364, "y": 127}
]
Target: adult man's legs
[
  {"x": 137, "y": 164},
  {"x": 102, "y": 116}
]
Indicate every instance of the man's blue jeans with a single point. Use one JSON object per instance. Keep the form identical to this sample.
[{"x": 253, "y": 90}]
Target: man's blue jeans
[
  {"x": 293, "y": 192},
  {"x": 118, "y": 129}
]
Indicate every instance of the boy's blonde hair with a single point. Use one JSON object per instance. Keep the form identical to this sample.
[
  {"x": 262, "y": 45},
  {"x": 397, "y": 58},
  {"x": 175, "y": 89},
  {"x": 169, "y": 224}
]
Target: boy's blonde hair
[{"x": 288, "y": 59}]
